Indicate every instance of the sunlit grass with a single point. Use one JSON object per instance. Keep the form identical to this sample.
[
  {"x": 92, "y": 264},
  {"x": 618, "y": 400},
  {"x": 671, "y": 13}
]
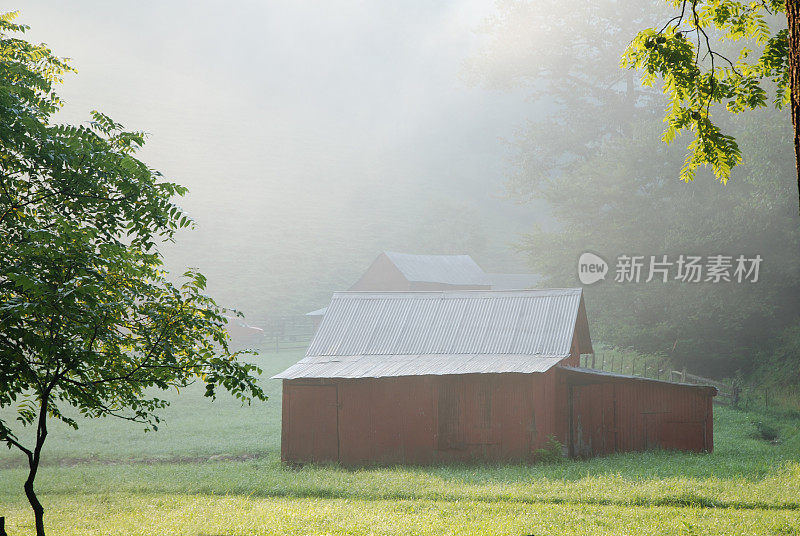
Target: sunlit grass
[
  {"x": 241, "y": 515},
  {"x": 110, "y": 478}
]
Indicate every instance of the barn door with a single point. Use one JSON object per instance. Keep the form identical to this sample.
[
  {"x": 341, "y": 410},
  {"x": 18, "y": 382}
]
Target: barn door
[
  {"x": 311, "y": 429},
  {"x": 593, "y": 420}
]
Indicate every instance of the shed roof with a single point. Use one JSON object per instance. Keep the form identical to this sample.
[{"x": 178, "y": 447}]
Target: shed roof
[
  {"x": 588, "y": 375},
  {"x": 448, "y": 269},
  {"x": 378, "y": 334}
]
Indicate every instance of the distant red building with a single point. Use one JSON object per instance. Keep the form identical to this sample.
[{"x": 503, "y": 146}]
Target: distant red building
[
  {"x": 428, "y": 377},
  {"x": 404, "y": 271},
  {"x": 392, "y": 271}
]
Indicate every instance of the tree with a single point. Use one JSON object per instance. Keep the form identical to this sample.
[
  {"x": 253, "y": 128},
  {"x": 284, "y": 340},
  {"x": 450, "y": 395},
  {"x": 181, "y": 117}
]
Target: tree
[
  {"x": 565, "y": 54},
  {"x": 625, "y": 201},
  {"x": 89, "y": 319},
  {"x": 688, "y": 53},
  {"x": 609, "y": 187}
]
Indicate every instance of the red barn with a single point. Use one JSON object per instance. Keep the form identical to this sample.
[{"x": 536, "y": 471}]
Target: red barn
[
  {"x": 429, "y": 377},
  {"x": 404, "y": 271},
  {"x": 392, "y": 271}
]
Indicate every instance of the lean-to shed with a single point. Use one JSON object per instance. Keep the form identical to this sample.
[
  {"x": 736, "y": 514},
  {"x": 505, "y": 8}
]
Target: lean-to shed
[{"x": 427, "y": 377}]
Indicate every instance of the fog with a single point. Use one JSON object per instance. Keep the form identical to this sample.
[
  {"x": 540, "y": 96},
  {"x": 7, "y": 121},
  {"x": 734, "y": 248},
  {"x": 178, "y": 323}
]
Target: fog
[{"x": 311, "y": 135}]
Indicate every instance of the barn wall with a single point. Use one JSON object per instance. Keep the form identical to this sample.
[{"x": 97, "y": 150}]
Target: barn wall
[
  {"x": 382, "y": 274},
  {"x": 663, "y": 416},
  {"x": 488, "y": 417},
  {"x": 309, "y": 425},
  {"x": 610, "y": 414},
  {"x": 422, "y": 419}
]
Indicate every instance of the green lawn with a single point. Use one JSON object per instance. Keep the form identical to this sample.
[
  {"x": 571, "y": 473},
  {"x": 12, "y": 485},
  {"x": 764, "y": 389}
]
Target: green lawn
[{"x": 214, "y": 469}]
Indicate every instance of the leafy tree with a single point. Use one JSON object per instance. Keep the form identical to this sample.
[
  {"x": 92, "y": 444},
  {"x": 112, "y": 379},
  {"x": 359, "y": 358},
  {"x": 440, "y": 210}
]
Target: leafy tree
[
  {"x": 88, "y": 317},
  {"x": 610, "y": 188},
  {"x": 693, "y": 54},
  {"x": 564, "y": 54},
  {"x": 628, "y": 203}
]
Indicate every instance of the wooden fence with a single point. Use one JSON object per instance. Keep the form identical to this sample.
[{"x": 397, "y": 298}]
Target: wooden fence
[
  {"x": 287, "y": 331},
  {"x": 727, "y": 392}
]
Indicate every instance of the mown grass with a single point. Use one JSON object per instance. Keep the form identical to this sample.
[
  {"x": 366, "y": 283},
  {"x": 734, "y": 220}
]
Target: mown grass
[
  {"x": 109, "y": 478},
  {"x": 193, "y": 426}
]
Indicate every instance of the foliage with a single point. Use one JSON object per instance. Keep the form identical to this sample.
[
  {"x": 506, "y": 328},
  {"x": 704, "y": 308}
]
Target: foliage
[
  {"x": 780, "y": 367},
  {"x": 710, "y": 328},
  {"x": 88, "y": 317},
  {"x": 685, "y": 55},
  {"x": 610, "y": 187},
  {"x": 766, "y": 429},
  {"x": 552, "y": 452},
  {"x": 565, "y": 55}
]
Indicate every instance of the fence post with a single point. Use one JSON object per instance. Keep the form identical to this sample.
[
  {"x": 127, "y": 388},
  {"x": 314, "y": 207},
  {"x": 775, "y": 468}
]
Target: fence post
[
  {"x": 603, "y": 365},
  {"x": 592, "y": 359},
  {"x": 683, "y": 375}
]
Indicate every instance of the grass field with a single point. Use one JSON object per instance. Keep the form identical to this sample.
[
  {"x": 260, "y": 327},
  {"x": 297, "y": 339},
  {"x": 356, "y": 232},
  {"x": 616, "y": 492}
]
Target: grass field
[{"x": 214, "y": 469}]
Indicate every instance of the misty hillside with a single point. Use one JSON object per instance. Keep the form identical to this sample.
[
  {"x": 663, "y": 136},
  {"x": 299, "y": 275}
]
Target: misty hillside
[{"x": 302, "y": 167}]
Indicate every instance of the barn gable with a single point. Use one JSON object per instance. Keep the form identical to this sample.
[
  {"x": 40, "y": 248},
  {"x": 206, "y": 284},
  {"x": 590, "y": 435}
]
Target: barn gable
[
  {"x": 384, "y": 334},
  {"x": 404, "y": 271}
]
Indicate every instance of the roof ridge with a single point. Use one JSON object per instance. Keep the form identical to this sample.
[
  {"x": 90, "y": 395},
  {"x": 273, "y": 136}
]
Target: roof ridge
[{"x": 473, "y": 293}]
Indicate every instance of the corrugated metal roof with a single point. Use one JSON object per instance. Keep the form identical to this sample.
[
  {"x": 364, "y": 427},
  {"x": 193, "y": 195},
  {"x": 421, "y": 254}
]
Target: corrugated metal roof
[
  {"x": 513, "y": 281},
  {"x": 377, "y": 334},
  {"x": 448, "y": 269},
  {"x": 581, "y": 371}
]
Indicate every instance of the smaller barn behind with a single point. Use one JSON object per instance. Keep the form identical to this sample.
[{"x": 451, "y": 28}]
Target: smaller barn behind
[
  {"x": 392, "y": 271},
  {"x": 404, "y": 271},
  {"x": 430, "y": 377}
]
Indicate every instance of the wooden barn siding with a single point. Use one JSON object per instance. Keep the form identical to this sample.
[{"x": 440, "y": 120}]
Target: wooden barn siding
[
  {"x": 422, "y": 419},
  {"x": 309, "y": 425},
  {"x": 487, "y": 417},
  {"x": 382, "y": 274},
  {"x": 622, "y": 415}
]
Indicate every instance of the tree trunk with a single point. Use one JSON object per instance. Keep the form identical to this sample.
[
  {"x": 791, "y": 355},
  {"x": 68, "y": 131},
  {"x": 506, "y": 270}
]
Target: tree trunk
[
  {"x": 33, "y": 462},
  {"x": 38, "y": 510},
  {"x": 793, "y": 20}
]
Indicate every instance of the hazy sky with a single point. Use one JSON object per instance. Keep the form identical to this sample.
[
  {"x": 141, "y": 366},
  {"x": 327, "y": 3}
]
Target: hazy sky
[{"x": 308, "y": 133}]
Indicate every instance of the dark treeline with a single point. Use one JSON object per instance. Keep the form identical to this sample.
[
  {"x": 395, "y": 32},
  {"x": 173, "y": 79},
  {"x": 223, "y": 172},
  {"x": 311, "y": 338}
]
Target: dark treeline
[{"x": 613, "y": 189}]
